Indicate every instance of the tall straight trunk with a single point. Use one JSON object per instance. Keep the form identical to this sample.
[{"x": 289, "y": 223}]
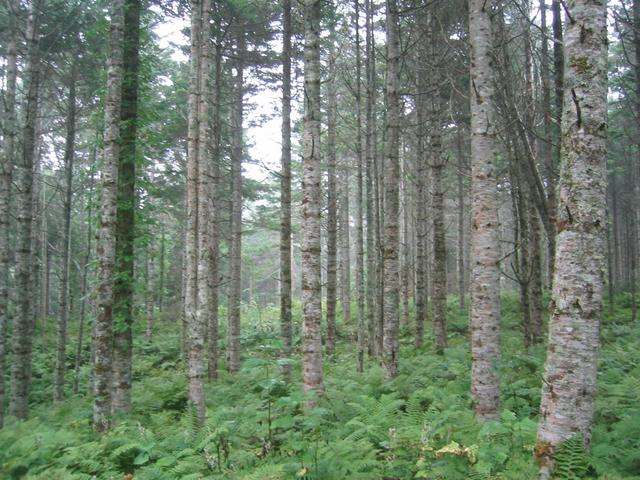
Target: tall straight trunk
[
  {"x": 212, "y": 327},
  {"x": 45, "y": 257},
  {"x": 370, "y": 152},
  {"x": 312, "y": 372},
  {"x": 161, "y": 272},
  {"x": 610, "y": 284},
  {"x": 485, "y": 246},
  {"x": 461, "y": 220},
  {"x": 150, "y": 290},
  {"x": 85, "y": 275},
  {"x": 106, "y": 248},
  {"x": 6, "y": 176},
  {"x": 235, "y": 255},
  {"x": 536, "y": 280},
  {"x": 196, "y": 159},
  {"x": 545, "y": 142},
  {"x": 405, "y": 266},
  {"x": 439, "y": 274},
  {"x": 437, "y": 165},
  {"x": 422, "y": 230},
  {"x": 332, "y": 204},
  {"x": 69, "y": 153},
  {"x": 205, "y": 326},
  {"x": 614, "y": 230},
  {"x": 556, "y": 137},
  {"x": 285, "y": 191},
  {"x": 633, "y": 168},
  {"x": 360, "y": 287},
  {"x": 569, "y": 383},
  {"x": 24, "y": 320},
  {"x": 344, "y": 240},
  {"x": 391, "y": 342},
  {"x": 123, "y": 288}
]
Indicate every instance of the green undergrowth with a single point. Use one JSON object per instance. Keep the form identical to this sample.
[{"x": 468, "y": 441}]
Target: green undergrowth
[{"x": 420, "y": 425}]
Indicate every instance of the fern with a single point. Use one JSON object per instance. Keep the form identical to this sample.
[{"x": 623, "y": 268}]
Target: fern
[{"x": 571, "y": 459}]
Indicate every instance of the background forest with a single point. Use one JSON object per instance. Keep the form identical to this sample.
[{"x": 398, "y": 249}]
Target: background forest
[{"x": 249, "y": 239}]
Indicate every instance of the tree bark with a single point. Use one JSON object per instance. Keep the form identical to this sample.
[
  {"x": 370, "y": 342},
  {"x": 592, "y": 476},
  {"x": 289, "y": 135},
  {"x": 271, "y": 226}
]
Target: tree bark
[
  {"x": 124, "y": 282},
  {"x": 24, "y": 320},
  {"x": 196, "y": 166},
  {"x": 311, "y": 202},
  {"x": 370, "y": 152},
  {"x": 150, "y": 290},
  {"x": 235, "y": 255},
  {"x": 360, "y": 286},
  {"x": 569, "y": 384},
  {"x": 85, "y": 274},
  {"x": 285, "y": 192},
  {"x": 391, "y": 343},
  {"x": 69, "y": 153},
  {"x": 6, "y": 176},
  {"x": 485, "y": 246},
  {"x": 212, "y": 328},
  {"x": 106, "y": 248},
  {"x": 332, "y": 204}
]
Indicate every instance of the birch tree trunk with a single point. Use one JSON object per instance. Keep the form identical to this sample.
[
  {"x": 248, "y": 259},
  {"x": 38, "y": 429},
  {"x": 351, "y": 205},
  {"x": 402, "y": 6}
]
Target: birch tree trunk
[
  {"x": 569, "y": 385},
  {"x": 485, "y": 247},
  {"x": 391, "y": 343},
  {"x": 69, "y": 153},
  {"x": 311, "y": 203},
  {"x": 6, "y": 176},
  {"x": 106, "y": 248}
]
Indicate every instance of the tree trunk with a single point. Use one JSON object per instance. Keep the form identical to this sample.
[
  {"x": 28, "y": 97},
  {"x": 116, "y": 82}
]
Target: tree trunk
[
  {"x": 569, "y": 384},
  {"x": 370, "y": 152},
  {"x": 150, "y": 290},
  {"x": 235, "y": 255},
  {"x": 69, "y": 152},
  {"x": 85, "y": 274},
  {"x": 311, "y": 204},
  {"x": 212, "y": 327},
  {"x": 45, "y": 257},
  {"x": 161, "y": 272},
  {"x": 461, "y": 220},
  {"x": 437, "y": 165},
  {"x": 123, "y": 288},
  {"x": 106, "y": 249},
  {"x": 391, "y": 343},
  {"x": 332, "y": 221},
  {"x": 196, "y": 160},
  {"x": 360, "y": 287},
  {"x": 285, "y": 192},
  {"x": 344, "y": 240},
  {"x": 24, "y": 320},
  {"x": 6, "y": 172},
  {"x": 485, "y": 246}
]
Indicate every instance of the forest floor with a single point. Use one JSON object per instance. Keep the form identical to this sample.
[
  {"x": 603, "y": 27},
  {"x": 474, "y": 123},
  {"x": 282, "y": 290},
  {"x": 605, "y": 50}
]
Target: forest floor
[{"x": 420, "y": 425}]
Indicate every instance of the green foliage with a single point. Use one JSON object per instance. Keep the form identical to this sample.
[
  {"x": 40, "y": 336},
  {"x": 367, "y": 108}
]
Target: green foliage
[
  {"x": 420, "y": 425},
  {"x": 572, "y": 461}
]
